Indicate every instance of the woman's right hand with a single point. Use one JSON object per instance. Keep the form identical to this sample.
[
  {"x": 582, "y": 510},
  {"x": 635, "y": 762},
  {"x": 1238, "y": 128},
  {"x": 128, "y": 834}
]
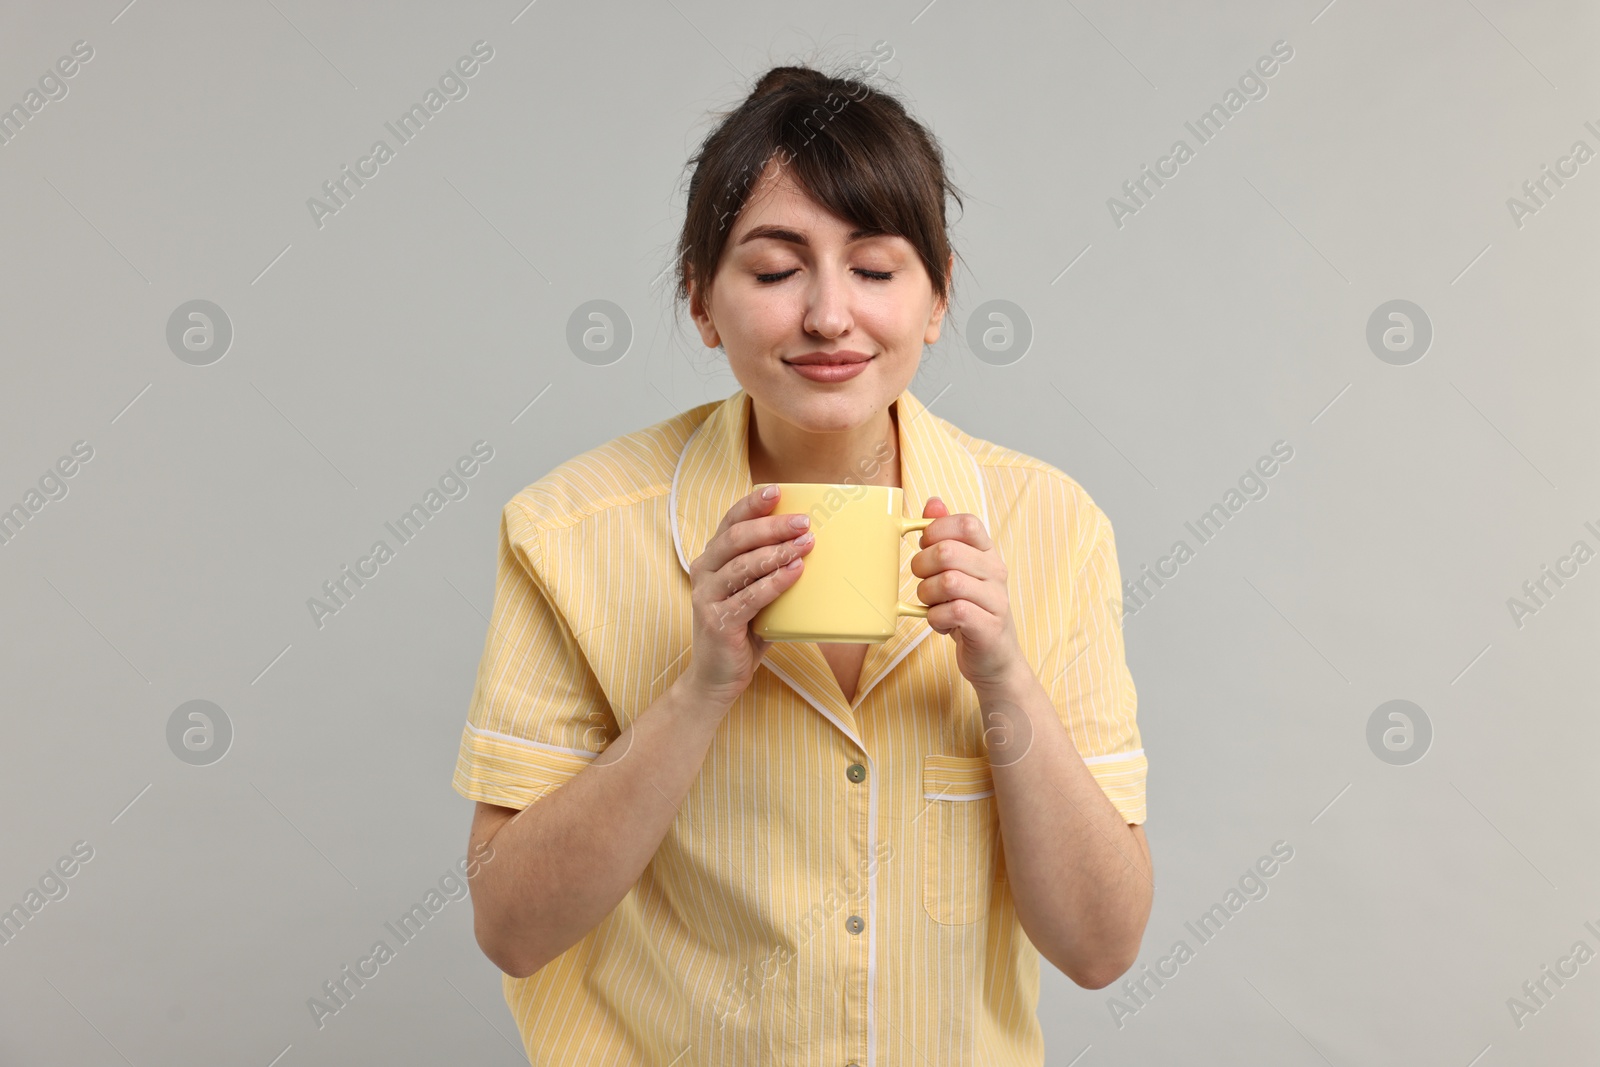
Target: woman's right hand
[{"x": 751, "y": 558}]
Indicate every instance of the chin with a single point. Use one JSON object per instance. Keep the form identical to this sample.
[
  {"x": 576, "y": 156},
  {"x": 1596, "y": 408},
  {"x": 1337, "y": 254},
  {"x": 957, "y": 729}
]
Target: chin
[{"x": 836, "y": 409}]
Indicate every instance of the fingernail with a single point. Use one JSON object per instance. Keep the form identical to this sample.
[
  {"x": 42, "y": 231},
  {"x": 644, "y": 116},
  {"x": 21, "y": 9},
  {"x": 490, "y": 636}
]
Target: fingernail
[
  {"x": 805, "y": 538},
  {"x": 800, "y": 522},
  {"x": 769, "y": 492}
]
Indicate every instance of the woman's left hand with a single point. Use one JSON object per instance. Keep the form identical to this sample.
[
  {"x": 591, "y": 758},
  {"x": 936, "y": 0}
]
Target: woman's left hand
[{"x": 964, "y": 586}]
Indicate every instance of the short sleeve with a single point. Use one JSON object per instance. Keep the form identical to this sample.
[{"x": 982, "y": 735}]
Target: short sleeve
[
  {"x": 538, "y": 715},
  {"x": 1086, "y": 673}
]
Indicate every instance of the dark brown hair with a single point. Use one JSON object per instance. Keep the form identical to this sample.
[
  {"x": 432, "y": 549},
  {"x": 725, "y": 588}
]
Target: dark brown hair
[{"x": 851, "y": 147}]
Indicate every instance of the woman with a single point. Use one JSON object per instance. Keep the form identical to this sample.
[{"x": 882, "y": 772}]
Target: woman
[{"x": 848, "y": 857}]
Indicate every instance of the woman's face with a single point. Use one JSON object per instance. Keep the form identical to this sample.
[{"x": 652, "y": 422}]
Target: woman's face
[{"x": 795, "y": 280}]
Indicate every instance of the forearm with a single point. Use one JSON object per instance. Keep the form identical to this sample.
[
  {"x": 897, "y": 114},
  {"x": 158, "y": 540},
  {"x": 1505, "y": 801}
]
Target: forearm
[
  {"x": 1080, "y": 878},
  {"x": 564, "y": 862}
]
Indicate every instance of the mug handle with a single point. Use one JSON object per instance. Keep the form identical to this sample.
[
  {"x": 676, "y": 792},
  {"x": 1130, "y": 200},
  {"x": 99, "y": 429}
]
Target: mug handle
[{"x": 915, "y": 611}]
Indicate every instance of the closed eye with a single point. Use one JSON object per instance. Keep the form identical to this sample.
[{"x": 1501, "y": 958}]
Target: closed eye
[{"x": 873, "y": 275}]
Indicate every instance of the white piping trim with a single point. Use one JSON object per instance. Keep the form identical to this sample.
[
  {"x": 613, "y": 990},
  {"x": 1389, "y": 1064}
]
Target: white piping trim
[
  {"x": 814, "y": 702},
  {"x": 922, "y": 635},
  {"x": 983, "y": 494},
  {"x": 540, "y": 745},
  {"x": 1114, "y": 756},
  {"x": 958, "y": 796},
  {"x": 672, "y": 497}
]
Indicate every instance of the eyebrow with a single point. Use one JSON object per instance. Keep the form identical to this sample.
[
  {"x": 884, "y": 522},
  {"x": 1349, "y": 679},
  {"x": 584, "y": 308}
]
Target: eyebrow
[{"x": 783, "y": 233}]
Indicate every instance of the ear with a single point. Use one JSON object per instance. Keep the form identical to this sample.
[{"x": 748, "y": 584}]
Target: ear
[
  {"x": 940, "y": 306},
  {"x": 700, "y": 313}
]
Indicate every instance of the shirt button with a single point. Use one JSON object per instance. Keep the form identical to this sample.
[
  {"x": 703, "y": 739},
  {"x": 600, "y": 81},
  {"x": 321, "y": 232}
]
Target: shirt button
[
  {"x": 855, "y": 772},
  {"x": 854, "y": 924}
]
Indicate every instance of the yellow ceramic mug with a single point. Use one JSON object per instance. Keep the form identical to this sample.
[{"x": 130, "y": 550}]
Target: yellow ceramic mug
[{"x": 849, "y": 584}]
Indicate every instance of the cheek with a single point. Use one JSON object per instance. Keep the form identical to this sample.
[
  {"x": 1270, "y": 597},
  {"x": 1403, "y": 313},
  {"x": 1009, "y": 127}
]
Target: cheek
[
  {"x": 898, "y": 325},
  {"x": 753, "y": 338},
  {"x": 763, "y": 318},
  {"x": 743, "y": 326}
]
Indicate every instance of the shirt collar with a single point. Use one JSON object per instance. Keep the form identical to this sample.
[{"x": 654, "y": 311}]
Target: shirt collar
[{"x": 714, "y": 471}]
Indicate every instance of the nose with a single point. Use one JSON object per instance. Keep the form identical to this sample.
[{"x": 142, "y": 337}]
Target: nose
[{"x": 827, "y": 304}]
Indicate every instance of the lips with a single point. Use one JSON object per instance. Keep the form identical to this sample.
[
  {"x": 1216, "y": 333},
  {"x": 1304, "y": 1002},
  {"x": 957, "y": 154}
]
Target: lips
[
  {"x": 829, "y": 367},
  {"x": 828, "y": 359}
]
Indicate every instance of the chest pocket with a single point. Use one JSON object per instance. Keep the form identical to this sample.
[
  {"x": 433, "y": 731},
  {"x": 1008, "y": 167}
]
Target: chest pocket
[{"x": 960, "y": 838}]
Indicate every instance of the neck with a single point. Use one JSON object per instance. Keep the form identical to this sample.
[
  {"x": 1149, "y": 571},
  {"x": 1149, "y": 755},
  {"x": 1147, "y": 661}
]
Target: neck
[{"x": 868, "y": 454}]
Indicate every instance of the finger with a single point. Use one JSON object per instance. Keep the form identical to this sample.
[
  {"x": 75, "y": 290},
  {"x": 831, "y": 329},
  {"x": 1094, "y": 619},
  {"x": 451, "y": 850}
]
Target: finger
[
  {"x": 750, "y": 566},
  {"x": 741, "y": 607},
  {"x": 746, "y": 507},
  {"x": 751, "y": 505},
  {"x": 947, "y": 586},
  {"x": 963, "y": 526},
  {"x": 749, "y": 534},
  {"x": 963, "y": 615},
  {"x": 957, "y": 555}
]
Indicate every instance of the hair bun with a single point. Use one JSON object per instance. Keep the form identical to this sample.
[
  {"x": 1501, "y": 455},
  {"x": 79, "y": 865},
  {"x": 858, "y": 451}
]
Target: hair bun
[{"x": 787, "y": 79}]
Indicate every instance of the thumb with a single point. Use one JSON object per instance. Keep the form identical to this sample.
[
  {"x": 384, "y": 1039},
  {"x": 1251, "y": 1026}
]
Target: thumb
[{"x": 934, "y": 509}]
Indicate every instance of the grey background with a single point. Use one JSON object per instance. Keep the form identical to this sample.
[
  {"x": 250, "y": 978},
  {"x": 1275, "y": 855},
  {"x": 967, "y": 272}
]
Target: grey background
[{"x": 369, "y": 354}]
